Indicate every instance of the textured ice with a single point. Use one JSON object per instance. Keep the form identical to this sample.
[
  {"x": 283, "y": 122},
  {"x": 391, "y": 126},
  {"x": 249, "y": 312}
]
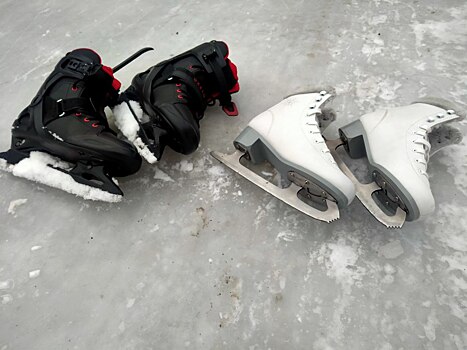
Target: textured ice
[
  {"x": 184, "y": 166},
  {"x": 255, "y": 274},
  {"x": 15, "y": 204}
]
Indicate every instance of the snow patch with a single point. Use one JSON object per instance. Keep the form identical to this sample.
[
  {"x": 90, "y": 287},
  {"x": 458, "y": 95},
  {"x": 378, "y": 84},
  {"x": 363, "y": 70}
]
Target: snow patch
[
  {"x": 34, "y": 274},
  {"x": 183, "y": 166},
  {"x": 341, "y": 259},
  {"x": 129, "y": 126},
  {"x": 8, "y": 284},
  {"x": 6, "y": 299},
  {"x": 430, "y": 326},
  {"x": 218, "y": 182},
  {"x": 36, "y": 247},
  {"x": 217, "y": 170},
  {"x": 55, "y": 136},
  {"x": 130, "y": 302},
  {"x": 389, "y": 269},
  {"x": 38, "y": 168},
  {"x": 285, "y": 236},
  {"x": 15, "y": 204}
]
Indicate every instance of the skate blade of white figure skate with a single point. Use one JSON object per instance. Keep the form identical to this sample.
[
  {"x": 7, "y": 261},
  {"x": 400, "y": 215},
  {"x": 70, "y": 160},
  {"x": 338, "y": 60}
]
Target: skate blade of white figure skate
[
  {"x": 50, "y": 171},
  {"x": 287, "y": 195},
  {"x": 364, "y": 192}
]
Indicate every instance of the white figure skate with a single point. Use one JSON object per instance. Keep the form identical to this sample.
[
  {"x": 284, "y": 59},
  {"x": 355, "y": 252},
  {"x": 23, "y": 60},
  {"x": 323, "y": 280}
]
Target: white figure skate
[
  {"x": 396, "y": 142},
  {"x": 288, "y": 136}
]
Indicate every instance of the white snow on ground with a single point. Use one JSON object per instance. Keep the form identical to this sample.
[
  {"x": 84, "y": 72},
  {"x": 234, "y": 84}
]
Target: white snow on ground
[
  {"x": 130, "y": 302},
  {"x": 341, "y": 259},
  {"x": 219, "y": 180},
  {"x": 285, "y": 236},
  {"x": 8, "y": 284},
  {"x": 15, "y": 204},
  {"x": 5, "y": 299},
  {"x": 127, "y": 124},
  {"x": 35, "y": 168},
  {"x": 183, "y": 166},
  {"x": 34, "y": 274},
  {"x": 36, "y": 247},
  {"x": 155, "y": 228}
]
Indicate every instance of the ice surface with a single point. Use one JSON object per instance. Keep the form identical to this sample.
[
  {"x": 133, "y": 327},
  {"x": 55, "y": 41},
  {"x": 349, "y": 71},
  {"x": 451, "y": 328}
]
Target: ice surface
[{"x": 246, "y": 271}]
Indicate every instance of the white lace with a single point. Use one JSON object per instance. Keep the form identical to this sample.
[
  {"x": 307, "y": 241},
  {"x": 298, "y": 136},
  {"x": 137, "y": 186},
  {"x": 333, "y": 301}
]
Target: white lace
[
  {"x": 315, "y": 130},
  {"x": 422, "y": 140}
]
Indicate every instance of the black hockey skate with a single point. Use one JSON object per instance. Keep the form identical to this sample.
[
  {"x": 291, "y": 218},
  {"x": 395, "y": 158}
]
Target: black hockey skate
[
  {"x": 66, "y": 120},
  {"x": 168, "y": 100}
]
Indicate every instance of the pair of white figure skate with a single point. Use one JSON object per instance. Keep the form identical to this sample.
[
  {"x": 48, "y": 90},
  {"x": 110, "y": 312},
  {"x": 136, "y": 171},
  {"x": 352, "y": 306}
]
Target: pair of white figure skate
[{"x": 397, "y": 143}]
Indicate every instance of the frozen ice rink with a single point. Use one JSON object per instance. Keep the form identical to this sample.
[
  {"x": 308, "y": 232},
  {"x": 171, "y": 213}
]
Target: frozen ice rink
[{"x": 197, "y": 257}]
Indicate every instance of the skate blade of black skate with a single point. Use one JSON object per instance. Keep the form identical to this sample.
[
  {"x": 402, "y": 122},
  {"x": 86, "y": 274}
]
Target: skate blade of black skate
[
  {"x": 18, "y": 164},
  {"x": 93, "y": 176},
  {"x": 287, "y": 195},
  {"x": 364, "y": 192}
]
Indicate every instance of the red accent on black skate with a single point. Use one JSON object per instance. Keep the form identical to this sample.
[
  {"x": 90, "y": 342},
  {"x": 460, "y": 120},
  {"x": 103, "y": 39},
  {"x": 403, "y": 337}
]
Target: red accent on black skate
[
  {"x": 231, "y": 110},
  {"x": 74, "y": 88},
  {"x": 115, "y": 83},
  {"x": 234, "y": 70}
]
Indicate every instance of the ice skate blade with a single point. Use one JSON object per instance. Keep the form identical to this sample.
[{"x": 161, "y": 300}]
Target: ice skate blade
[
  {"x": 287, "y": 195},
  {"x": 364, "y": 192},
  {"x": 42, "y": 168}
]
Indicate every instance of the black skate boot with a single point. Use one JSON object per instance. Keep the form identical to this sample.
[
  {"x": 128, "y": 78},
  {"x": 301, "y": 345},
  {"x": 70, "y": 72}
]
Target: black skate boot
[
  {"x": 169, "y": 99},
  {"x": 66, "y": 120}
]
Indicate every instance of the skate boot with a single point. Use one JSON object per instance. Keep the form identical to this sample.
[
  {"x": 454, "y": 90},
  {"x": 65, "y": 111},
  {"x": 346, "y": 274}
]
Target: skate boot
[
  {"x": 288, "y": 136},
  {"x": 396, "y": 142},
  {"x": 164, "y": 104},
  {"x": 62, "y": 138}
]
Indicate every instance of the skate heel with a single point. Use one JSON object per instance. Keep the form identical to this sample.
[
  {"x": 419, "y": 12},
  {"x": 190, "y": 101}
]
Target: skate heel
[
  {"x": 352, "y": 136},
  {"x": 249, "y": 142}
]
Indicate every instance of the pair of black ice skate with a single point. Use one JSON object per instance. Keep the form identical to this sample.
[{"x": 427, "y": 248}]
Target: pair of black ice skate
[{"x": 65, "y": 125}]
